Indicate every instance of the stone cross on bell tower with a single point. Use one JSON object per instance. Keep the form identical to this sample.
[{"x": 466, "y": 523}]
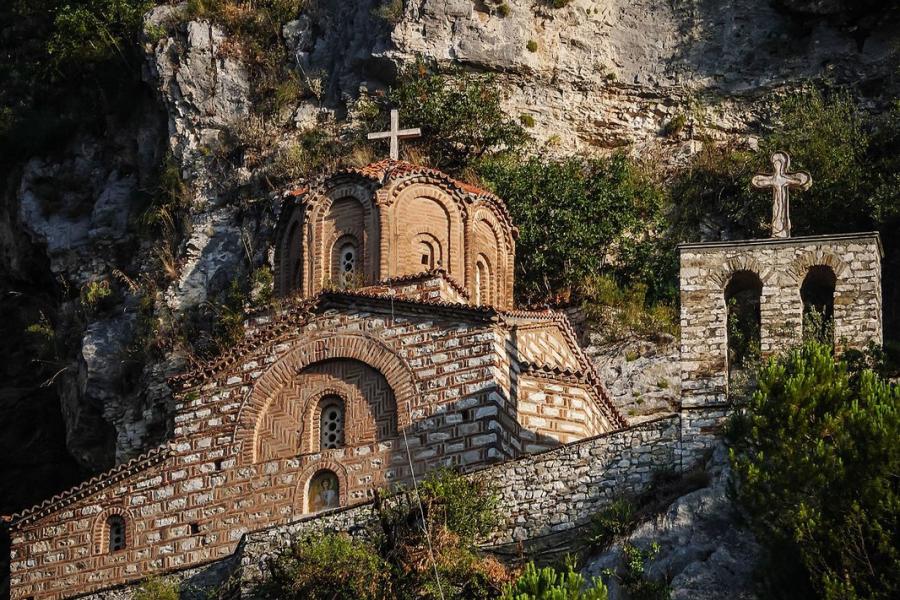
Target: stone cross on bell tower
[
  {"x": 781, "y": 182},
  {"x": 396, "y": 134}
]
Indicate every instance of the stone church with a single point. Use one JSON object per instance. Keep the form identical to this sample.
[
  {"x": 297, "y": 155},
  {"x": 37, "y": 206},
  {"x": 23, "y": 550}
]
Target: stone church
[{"x": 395, "y": 349}]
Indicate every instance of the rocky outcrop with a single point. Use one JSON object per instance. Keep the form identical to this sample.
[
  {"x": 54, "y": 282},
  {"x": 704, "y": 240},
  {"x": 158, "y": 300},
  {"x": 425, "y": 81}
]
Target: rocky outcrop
[
  {"x": 704, "y": 552},
  {"x": 643, "y": 377}
]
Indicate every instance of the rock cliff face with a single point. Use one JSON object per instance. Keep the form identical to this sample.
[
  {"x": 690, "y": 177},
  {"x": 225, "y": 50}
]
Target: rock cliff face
[
  {"x": 594, "y": 75},
  {"x": 703, "y": 552}
]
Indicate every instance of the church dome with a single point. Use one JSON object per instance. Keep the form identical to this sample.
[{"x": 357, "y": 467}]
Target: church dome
[{"x": 392, "y": 220}]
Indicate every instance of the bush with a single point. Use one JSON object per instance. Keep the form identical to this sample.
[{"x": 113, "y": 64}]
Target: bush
[
  {"x": 466, "y": 506},
  {"x": 815, "y": 461},
  {"x": 611, "y": 522},
  {"x": 618, "y": 312},
  {"x": 531, "y": 46},
  {"x": 633, "y": 577},
  {"x": 573, "y": 216},
  {"x": 459, "y": 113},
  {"x": 549, "y": 584},
  {"x": 157, "y": 588},
  {"x": 327, "y": 567},
  {"x": 390, "y": 11}
]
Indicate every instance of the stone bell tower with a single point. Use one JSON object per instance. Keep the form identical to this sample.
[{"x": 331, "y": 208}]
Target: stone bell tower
[{"x": 839, "y": 275}]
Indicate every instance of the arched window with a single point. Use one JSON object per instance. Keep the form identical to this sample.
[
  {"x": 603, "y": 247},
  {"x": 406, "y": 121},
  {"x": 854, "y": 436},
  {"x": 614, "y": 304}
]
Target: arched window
[
  {"x": 482, "y": 281},
  {"x": 426, "y": 251},
  {"x": 331, "y": 423},
  {"x": 347, "y": 264},
  {"x": 323, "y": 492},
  {"x": 817, "y": 293},
  {"x": 742, "y": 300},
  {"x": 115, "y": 533}
]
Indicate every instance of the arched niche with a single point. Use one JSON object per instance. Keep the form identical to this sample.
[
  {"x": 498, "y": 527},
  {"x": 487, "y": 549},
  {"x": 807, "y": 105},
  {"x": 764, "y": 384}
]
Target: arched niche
[
  {"x": 422, "y": 213},
  {"x": 268, "y": 424},
  {"x": 743, "y": 298},
  {"x": 817, "y": 295}
]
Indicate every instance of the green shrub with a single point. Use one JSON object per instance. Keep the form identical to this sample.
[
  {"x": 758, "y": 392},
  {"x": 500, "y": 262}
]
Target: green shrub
[
  {"x": 572, "y": 216},
  {"x": 459, "y": 112},
  {"x": 157, "y": 588},
  {"x": 531, "y": 46},
  {"x": 390, "y": 11},
  {"x": 503, "y": 9},
  {"x": 326, "y": 567},
  {"x": 815, "y": 461},
  {"x": 463, "y": 505},
  {"x": 526, "y": 120},
  {"x": 617, "y": 312},
  {"x": 611, "y": 522},
  {"x": 95, "y": 294},
  {"x": 675, "y": 125},
  {"x": 549, "y": 584},
  {"x": 633, "y": 576},
  {"x": 316, "y": 150}
]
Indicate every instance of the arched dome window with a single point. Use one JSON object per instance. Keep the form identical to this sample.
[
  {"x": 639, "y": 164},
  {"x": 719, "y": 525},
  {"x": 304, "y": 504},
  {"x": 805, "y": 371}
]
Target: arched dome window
[
  {"x": 331, "y": 423},
  {"x": 115, "y": 533}
]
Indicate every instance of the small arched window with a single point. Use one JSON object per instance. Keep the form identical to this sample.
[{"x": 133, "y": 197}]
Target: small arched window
[
  {"x": 426, "y": 251},
  {"x": 482, "y": 281},
  {"x": 347, "y": 264},
  {"x": 115, "y": 533},
  {"x": 331, "y": 423},
  {"x": 324, "y": 491}
]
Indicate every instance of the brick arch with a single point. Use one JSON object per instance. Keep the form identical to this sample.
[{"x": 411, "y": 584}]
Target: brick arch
[
  {"x": 306, "y": 475},
  {"x": 404, "y": 223},
  {"x": 499, "y": 253},
  {"x": 726, "y": 271},
  {"x": 313, "y": 350},
  {"x": 801, "y": 265},
  {"x": 318, "y": 245},
  {"x": 99, "y": 529}
]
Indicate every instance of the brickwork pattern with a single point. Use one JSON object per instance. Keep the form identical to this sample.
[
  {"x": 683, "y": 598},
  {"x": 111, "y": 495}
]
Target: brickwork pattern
[
  {"x": 403, "y": 220},
  {"x": 434, "y": 377}
]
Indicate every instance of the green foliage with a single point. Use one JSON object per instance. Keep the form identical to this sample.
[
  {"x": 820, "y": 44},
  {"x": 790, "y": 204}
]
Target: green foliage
[
  {"x": 615, "y": 520},
  {"x": 549, "y": 584},
  {"x": 92, "y": 31},
  {"x": 526, "y": 120},
  {"x": 68, "y": 66},
  {"x": 503, "y": 9},
  {"x": 157, "y": 588},
  {"x": 463, "y": 505},
  {"x": 257, "y": 29},
  {"x": 633, "y": 576},
  {"x": 675, "y": 125},
  {"x": 95, "y": 294},
  {"x": 262, "y": 286},
  {"x": 459, "y": 113},
  {"x": 558, "y": 3},
  {"x": 617, "y": 312},
  {"x": 390, "y": 11},
  {"x": 573, "y": 215},
  {"x": 315, "y": 150},
  {"x": 815, "y": 461},
  {"x": 326, "y": 567},
  {"x": 531, "y": 46}
]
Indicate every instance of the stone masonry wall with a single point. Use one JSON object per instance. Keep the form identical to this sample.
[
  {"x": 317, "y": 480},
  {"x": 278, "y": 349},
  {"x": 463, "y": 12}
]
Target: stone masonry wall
[{"x": 781, "y": 265}]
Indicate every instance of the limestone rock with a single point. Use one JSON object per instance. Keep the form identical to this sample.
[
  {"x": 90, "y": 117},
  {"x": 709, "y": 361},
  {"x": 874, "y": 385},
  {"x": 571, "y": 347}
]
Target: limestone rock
[
  {"x": 704, "y": 552},
  {"x": 642, "y": 377}
]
